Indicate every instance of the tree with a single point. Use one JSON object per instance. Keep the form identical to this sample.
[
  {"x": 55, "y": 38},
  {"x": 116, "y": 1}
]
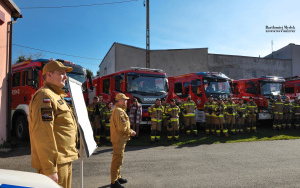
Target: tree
[
  {"x": 89, "y": 73},
  {"x": 98, "y": 73},
  {"x": 30, "y": 56}
]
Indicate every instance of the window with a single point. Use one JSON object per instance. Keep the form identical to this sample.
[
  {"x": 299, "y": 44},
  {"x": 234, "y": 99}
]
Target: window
[
  {"x": 106, "y": 85},
  {"x": 289, "y": 90},
  {"x": 186, "y": 86},
  {"x": 178, "y": 89},
  {"x": 24, "y": 77},
  {"x": 235, "y": 88},
  {"x": 298, "y": 88},
  {"x": 105, "y": 71},
  {"x": 16, "y": 79},
  {"x": 196, "y": 87},
  {"x": 118, "y": 81}
]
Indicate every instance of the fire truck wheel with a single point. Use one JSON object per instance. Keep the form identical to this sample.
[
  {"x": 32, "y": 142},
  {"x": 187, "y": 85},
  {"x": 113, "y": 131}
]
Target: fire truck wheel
[{"x": 21, "y": 128}]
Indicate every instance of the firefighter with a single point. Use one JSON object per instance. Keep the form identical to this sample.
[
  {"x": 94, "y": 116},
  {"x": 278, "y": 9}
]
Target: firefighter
[
  {"x": 296, "y": 111},
  {"x": 230, "y": 115},
  {"x": 295, "y": 103},
  {"x": 208, "y": 108},
  {"x": 106, "y": 116},
  {"x": 181, "y": 119},
  {"x": 218, "y": 117},
  {"x": 287, "y": 113},
  {"x": 94, "y": 112},
  {"x": 172, "y": 112},
  {"x": 156, "y": 113},
  {"x": 241, "y": 116},
  {"x": 278, "y": 113},
  {"x": 165, "y": 120},
  {"x": 251, "y": 115},
  {"x": 102, "y": 106},
  {"x": 188, "y": 109}
]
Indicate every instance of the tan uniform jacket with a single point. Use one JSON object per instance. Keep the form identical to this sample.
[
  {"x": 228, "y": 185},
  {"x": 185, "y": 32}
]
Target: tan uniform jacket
[
  {"x": 52, "y": 128},
  {"x": 230, "y": 108},
  {"x": 120, "y": 125},
  {"x": 251, "y": 108},
  {"x": 278, "y": 106},
  {"x": 188, "y": 108},
  {"x": 208, "y": 107},
  {"x": 241, "y": 110}
]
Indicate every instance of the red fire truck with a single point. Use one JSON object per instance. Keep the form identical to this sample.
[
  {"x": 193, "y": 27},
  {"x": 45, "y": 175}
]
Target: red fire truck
[
  {"x": 142, "y": 83},
  {"x": 263, "y": 90},
  {"x": 199, "y": 85},
  {"x": 292, "y": 87},
  {"x": 26, "y": 80}
]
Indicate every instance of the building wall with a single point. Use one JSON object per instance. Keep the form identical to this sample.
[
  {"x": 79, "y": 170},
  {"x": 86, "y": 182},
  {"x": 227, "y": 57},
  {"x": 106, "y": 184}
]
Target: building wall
[
  {"x": 107, "y": 65},
  {"x": 4, "y": 69},
  {"x": 177, "y": 62},
  {"x": 292, "y": 52},
  {"x": 238, "y": 67}
]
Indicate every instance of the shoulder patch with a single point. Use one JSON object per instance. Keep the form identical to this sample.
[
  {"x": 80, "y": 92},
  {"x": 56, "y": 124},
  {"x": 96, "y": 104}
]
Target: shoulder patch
[
  {"x": 60, "y": 102},
  {"x": 121, "y": 113},
  {"x": 46, "y": 114}
]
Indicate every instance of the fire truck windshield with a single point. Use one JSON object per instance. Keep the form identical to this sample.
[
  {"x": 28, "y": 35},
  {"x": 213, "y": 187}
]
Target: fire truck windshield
[
  {"x": 216, "y": 86},
  {"x": 271, "y": 88},
  {"x": 77, "y": 76},
  {"x": 147, "y": 84}
]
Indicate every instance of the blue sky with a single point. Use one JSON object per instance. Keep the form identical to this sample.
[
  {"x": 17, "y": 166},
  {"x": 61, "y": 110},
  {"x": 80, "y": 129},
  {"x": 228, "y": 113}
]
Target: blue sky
[{"x": 235, "y": 27}]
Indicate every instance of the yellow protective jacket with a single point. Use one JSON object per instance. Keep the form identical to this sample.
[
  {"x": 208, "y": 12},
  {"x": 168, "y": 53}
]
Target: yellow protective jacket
[
  {"x": 230, "y": 108},
  {"x": 188, "y": 108},
  {"x": 119, "y": 125},
  {"x": 278, "y": 107},
  {"x": 287, "y": 108},
  {"x": 219, "y": 109},
  {"x": 241, "y": 110},
  {"x": 52, "y": 129},
  {"x": 166, "y": 105},
  {"x": 173, "y": 111},
  {"x": 156, "y": 112},
  {"x": 208, "y": 107},
  {"x": 251, "y": 108}
]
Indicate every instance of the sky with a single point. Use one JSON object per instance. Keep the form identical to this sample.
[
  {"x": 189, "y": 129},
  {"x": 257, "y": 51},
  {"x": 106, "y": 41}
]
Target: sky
[{"x": 231, "y": 27}]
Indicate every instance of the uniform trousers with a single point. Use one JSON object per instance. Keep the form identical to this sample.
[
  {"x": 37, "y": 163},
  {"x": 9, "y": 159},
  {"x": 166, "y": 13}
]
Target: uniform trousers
[{"x": 117, "y": 160}]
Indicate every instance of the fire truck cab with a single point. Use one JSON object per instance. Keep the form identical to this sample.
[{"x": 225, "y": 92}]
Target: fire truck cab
[
  {"x": 26, "y": 80},
  {"x": 292, "y": 87},
  {"x": 200, "y": 86},
  {"x": 263, "y": 90},
  {"x": 142, "y": 83}
]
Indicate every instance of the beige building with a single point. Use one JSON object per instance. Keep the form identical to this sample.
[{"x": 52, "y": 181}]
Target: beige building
[
  {"x": 183, "y": 61},
  {"x": 8, "y": 10}
]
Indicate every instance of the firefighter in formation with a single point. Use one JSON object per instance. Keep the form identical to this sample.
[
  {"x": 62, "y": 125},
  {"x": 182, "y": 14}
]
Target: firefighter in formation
[
  {"x": 188, "y": 109},
  {"x": 156, "y": 113},
  {"x": 99, "y": 116},
  {"x": 172, "y": 112}
]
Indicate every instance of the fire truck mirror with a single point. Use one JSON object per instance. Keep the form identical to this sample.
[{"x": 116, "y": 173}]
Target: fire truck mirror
[{"x": 90, "y": 82}]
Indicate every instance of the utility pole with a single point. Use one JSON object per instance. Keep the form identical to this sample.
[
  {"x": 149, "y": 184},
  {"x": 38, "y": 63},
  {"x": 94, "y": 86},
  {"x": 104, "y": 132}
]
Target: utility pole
[
  {"x": 272, "y": 48},
  {"x": 147, "y": 35}
]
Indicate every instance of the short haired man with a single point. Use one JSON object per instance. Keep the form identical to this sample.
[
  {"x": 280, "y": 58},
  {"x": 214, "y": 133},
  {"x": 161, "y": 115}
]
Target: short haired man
[
  {"x": 52, "y": 127},
  {"x": 120, "y": 133}
]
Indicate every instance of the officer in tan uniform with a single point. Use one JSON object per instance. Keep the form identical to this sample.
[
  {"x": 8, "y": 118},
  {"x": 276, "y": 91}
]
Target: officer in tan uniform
[
  {"x": 52, "y": 127},
  {"x": 120, "y": 133}
]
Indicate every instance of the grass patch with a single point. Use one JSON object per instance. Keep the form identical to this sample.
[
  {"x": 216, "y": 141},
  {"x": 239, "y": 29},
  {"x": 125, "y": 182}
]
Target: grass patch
[{"x": 264, "y": 134}]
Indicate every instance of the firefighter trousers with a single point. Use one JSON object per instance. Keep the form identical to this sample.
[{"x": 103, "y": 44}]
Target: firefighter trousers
[
  {"x": 240, "y": 124},
  {"x": 220, "y": 125},
  {"x": 155, "y": 129},
  {"x": 208, "y": 123},
  {"x": 190, "y": 125},
  {"x": 117, "y": 160},
  {"x": 230, "y": 122},
  {"x": 97, "y": 128},
  {"x": 297, "y": 121},
  {"x": 251, "y": 122},
  {"x": 287, "y": 120},
  {"x": 173, "y": 128},
  {"x": 278, "y": 117}
]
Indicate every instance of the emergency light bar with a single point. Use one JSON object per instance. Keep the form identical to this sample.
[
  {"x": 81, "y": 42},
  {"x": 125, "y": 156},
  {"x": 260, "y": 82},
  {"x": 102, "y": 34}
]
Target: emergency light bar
[
  {"x": 275, "y": 78},
  {"x": 212, "y": 73},
  {"x": 292, "y": 78},
  {"x": 146, "y": 69}
]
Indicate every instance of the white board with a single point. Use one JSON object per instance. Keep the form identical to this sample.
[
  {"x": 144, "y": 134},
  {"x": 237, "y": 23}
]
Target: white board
[{"x": 85, "y": 128}]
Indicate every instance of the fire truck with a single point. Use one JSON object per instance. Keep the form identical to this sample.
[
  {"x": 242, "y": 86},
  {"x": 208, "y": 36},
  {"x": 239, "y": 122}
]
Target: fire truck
[
  {"x": 292, "y": 87},
  {"x": 200, "y": 86},
  {"x": 142, "y": 83},
  {"x": 26, "y": 80},
  {"x": 263, "y": 90}
]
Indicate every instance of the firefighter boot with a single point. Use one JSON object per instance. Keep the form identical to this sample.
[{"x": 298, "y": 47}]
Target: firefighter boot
[
  {"x": 195, "y": 130},
  {"x": 254, "y": 128},
  {"x": 290, "y": 126},
  {"x": 157, "y": 137},
  {"x": 153, "y": 135},
  {"x": 188, "y": 130},
  {"x": 218, "y": 132},
  {"x": 207, "y": 129},
  {"x": 176, "y": 136},
  {"x": 169, "y": 134}
]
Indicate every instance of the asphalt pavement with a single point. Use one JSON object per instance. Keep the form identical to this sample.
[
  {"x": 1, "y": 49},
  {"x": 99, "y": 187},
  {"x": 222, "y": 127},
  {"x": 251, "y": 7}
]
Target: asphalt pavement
[{"x": 246, "y": 164}]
